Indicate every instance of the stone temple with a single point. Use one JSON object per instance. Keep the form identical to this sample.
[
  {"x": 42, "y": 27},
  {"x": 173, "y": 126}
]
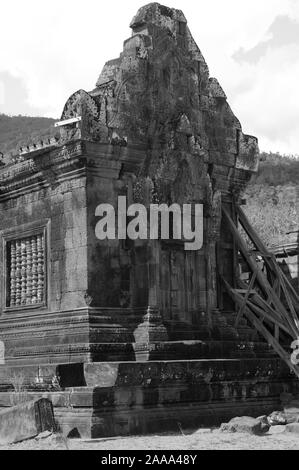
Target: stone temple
[{"x": 129, "y": 337}]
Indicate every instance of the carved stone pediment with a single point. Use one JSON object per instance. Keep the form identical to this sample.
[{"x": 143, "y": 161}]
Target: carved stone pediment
[
  {"x": 82, "y": 104},
  {"x": 2, "y": 352}
]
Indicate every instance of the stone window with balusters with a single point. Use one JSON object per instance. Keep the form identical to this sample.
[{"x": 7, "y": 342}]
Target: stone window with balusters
[{"x": 26, "y": 273}]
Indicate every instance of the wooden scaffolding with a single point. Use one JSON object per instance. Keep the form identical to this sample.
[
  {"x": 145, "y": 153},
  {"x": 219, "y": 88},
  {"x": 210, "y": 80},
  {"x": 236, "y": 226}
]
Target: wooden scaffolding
[{"x": 267, "y": 300}]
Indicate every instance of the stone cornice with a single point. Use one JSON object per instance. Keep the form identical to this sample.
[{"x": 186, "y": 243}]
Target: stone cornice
[
  {"x": 50, "y": 166},
  {"x": 41, "y": 167}
]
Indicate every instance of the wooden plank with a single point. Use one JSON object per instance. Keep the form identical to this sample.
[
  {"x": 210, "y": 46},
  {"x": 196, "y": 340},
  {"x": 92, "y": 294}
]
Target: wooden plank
[
  {"x": 285, "y": 356},
  {"x": 278, "y": 314},
  {"x": 240, "y": 313},
  {"x": 263, "y": 304},
  {"x": 252, "y": 305},
  {"x": 252, "y": 234},
  {"x": 259, "y": 245},
  {"x": 245, "y": 291},
  {"x": 263, "y": 313},
  {"x": 260, "y": 302},
  {"x": 290, "y": 287},
  {"x": 261, "y": 278},
  {"x": 65, "y": 122},
  {"x": 267, "y": 316},
  {"x": 289, "y": 301},
  {"x": 269, "y": 258},
  {"x": 276, "y": 332},
  {"x": 257, "y": 323},
  {"x": 276, "y": 287}
]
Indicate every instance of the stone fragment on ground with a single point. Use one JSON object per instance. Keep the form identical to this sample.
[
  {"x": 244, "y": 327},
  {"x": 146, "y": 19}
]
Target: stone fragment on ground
[
  {"x": 291, "y": 411},
  {"x": 246, "y": 424},
  {"x": 292, "y": 428},
  {"x": 278, "y": 429},
  {"x": 277, "y": 418},
  {"x": 264, "y": 420},
  {"x": 203, "y": 431},
  {"x": 43, "y": 435},
  {"x": 26, "y": 420}
]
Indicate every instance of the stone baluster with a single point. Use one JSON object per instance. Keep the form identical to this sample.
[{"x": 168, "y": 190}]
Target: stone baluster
[
  {"x": 29, "y": 271},
  {"x": 40, "y": 268},
  {"x": 26, "y": 271},
  {"x": 23, "y": 272},
  {"x": 18, "y": 272},
  {"x": 34, "y": 269},
  {"x": 12, "y": 292}
]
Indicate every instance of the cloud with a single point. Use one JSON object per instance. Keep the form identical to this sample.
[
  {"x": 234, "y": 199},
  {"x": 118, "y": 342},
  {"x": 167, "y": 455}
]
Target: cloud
[
  {"x": 266, "y": 92},
  {"x": 2, "y": 93},
  {"x": 283, "y": 31},
  {"x": 273, "y": 97},
  {"x": 14, "y": 96}
]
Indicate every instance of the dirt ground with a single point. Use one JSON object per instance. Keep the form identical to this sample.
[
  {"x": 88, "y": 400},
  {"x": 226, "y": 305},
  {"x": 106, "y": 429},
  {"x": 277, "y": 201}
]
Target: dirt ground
[{"x": 204, "y": 439}]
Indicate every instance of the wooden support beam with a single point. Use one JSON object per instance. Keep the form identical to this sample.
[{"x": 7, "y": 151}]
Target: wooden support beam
[
  {"x": 258, "y": 324},
  {"x": 288, "y": 298},
  {"x": 269, "y": 315},
  {"x": 261, "y": 278},
  {"x": 256, "y": 297},
  {"x": 269, "y": 258},
  {"x": 240, "y": 313},
  {"x": 290, "y": 288},
  {"x": 285, "y": 356}
]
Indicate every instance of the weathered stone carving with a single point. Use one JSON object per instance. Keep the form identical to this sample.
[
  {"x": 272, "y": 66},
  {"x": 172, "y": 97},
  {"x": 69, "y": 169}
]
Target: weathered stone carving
[
  {"x": 81, "y": 104},
  {"x": 156, "y": 129}
]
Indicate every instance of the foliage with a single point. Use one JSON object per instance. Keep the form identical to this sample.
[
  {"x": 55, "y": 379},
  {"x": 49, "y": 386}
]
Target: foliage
[
  {"x": 273, "y": 210},
  {"x": 276, "y": 169},
  {"x": 16, "y": 131}
]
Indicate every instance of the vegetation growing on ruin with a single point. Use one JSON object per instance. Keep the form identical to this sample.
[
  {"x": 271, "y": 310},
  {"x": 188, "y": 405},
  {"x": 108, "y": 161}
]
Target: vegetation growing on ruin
[{"x": 273, "y": 197}]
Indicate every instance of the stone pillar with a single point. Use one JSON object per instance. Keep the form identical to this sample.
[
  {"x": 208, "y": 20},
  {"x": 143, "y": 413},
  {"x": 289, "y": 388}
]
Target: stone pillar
[
  {"x": 152, "y": 329},
  {"x": 153, "y": 273},
  {"x": 212, "y": 234},
  {"x": 211, "y": 278}
]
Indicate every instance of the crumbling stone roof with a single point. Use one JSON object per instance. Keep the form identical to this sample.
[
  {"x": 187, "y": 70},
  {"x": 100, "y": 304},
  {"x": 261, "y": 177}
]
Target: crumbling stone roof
[{"x": 159, "y": 95}]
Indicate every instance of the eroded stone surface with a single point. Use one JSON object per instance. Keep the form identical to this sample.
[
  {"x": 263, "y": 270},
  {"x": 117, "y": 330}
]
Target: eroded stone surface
[
  {"x": 245, "y": 424},
  {"x": 131, "y": 329},
  {"x": 26, "y": 420}
]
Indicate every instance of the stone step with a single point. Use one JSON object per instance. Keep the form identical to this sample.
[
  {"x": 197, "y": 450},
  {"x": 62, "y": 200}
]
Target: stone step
[
  {"x": 55, "y": 377},
  {"x": 97, "y": 397},
  {"x": 177, "y": 390},
  {"x": 187, "y": 349},
  {"x": 141, "y": 420}
]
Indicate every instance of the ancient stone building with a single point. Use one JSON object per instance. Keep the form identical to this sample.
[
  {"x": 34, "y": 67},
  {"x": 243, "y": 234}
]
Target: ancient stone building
[{"x": 132, "y": 336}]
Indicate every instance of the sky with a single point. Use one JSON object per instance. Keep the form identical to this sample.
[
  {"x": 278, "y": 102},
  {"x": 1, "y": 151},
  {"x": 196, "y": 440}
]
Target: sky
[{"x": 50, "y": 49}]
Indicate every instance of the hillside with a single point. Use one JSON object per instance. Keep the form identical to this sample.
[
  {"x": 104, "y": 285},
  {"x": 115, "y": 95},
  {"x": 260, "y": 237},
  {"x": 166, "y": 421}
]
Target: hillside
[
  {"x": 273, "y": 211},
  {"x": 273, "y": 198},
  {"x": 16, "y": 131},
  {"x": 272, "y": 195}
]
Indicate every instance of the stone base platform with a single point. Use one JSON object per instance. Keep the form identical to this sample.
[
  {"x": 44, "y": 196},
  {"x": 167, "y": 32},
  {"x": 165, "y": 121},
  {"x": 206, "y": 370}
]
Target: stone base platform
[{"x": 121, "y": 398}]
